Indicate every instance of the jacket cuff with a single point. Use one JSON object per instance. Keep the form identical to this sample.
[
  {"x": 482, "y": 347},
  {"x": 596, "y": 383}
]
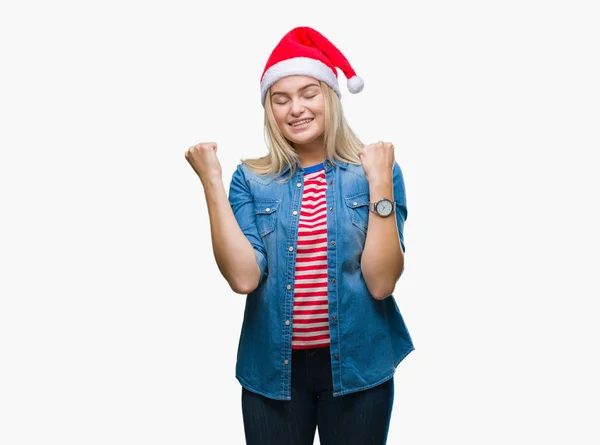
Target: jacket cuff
[{"x": 262, "y": 264}]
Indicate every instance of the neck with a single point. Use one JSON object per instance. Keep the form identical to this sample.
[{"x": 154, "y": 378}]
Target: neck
[{"x": 312, "y": 153}]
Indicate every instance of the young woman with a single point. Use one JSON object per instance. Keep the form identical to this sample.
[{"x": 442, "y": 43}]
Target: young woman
[{"x": 312, "y": 233}]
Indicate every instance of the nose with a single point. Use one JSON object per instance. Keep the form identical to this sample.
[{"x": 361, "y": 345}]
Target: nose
[{"x": 297, "y": 107}]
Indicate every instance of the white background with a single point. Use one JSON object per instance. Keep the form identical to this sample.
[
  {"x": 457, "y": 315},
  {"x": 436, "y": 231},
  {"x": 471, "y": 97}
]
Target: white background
[{"x": 115, "y": 325}]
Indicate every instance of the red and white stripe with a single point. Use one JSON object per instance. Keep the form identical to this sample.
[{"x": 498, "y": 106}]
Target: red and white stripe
[{"x": 311, "y": 320}]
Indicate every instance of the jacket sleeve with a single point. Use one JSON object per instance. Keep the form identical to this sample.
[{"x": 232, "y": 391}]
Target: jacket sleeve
[
  {"x": 400, "y": 199},
  {"x": 242, "y": 204}
]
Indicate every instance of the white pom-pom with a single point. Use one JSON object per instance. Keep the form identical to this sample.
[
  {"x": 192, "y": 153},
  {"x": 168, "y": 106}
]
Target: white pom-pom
[{"x": 355, "y": 84}]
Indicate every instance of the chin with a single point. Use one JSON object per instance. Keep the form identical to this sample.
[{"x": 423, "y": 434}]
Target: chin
[{"x": 302, "y": 139}]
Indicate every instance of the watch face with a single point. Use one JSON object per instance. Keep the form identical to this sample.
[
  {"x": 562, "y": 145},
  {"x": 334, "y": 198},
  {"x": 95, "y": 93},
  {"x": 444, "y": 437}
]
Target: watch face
[{"x": 384, "y": 207}]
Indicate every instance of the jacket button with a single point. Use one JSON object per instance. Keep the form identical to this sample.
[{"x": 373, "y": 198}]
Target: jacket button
[
  {"x": 333, "y": 243},
  {"x": 287, "y": 322},
  {"x": 288, "y": 287},
  {"x": 337, "y": 357},
  {"x": 299, "y": 184},
  {"x": 330, "y": 208},
  {"x": 295, "y": 212},
  {"x": 332, "y": 280},
  {"x": 286, "y": 361},
  {"x": 334, "y": 317}
]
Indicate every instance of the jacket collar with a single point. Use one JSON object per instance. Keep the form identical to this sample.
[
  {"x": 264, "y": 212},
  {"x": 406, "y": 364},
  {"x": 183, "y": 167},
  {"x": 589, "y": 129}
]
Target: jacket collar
[{"x": 328, "y": 166}]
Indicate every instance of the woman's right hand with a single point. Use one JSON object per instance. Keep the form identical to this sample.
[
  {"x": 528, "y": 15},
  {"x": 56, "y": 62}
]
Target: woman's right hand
[{"x": 203, "y": 159}]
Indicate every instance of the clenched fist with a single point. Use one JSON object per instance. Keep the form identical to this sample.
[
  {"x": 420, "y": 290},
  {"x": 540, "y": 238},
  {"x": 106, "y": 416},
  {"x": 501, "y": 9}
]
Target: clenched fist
[
  {"x": 203, "y": 159},
  {"x": 378, "y": 161}
]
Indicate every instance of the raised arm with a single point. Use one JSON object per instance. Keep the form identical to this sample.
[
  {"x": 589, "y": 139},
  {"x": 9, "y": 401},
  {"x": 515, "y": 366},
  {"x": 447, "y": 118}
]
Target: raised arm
[
  {"x": 233, "y": 252},
  {"x": 382, "y": 261}
]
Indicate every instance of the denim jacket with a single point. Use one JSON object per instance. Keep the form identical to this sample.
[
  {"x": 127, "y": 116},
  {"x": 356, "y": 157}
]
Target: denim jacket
[{"x": 368, "y": 337}]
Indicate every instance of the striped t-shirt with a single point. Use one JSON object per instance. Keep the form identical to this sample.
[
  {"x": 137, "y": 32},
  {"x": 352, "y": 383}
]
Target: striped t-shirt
[{"x": 311, "y": 320}]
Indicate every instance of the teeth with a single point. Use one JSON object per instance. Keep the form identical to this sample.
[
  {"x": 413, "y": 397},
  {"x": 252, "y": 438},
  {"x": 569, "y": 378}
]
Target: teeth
[{"x": 301, "y": 122}]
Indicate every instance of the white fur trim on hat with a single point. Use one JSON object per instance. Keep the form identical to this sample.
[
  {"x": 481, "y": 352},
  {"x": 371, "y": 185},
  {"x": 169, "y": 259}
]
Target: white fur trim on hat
[{"x": 298, "y": 66}]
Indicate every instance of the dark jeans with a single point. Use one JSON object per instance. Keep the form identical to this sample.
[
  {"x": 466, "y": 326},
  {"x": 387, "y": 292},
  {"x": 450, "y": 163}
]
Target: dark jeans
[{"x": 360, "y": 418}]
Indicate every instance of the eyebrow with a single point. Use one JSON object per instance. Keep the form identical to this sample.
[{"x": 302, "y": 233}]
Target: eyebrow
[{"x": 299, "y": 89}]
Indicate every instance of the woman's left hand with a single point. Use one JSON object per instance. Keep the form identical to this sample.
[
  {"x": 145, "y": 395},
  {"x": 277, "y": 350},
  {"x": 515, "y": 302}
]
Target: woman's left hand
[{"x": 378, "y": 161}]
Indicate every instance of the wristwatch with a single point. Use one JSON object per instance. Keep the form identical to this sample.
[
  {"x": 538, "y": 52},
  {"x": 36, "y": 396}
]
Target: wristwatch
[{"x": 384, "y": 207}]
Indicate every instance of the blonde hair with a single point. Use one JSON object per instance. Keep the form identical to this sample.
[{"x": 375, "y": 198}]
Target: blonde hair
[{"x": 341, "y": 143}]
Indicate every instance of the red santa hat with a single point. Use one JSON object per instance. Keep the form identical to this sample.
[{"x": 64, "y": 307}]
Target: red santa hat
[{"x": 305, "y": 51}]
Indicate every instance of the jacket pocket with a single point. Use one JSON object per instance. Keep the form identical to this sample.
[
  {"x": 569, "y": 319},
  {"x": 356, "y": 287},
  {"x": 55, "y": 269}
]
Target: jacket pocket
[
  {"x": 358, "y": 207},
  {"x": 266, "y": 215}
]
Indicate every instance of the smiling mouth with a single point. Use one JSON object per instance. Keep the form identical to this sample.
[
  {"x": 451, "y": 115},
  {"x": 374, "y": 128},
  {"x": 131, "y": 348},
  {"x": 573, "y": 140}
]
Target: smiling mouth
[{"x": 302, "y": 122}]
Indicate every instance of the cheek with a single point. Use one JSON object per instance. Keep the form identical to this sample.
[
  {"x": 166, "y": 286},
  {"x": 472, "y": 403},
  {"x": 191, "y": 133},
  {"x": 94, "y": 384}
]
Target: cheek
[
  {"x": 280, "y": 118},
  {"x": 321, "y": 112},
  {"x": 321, "y": 118}
]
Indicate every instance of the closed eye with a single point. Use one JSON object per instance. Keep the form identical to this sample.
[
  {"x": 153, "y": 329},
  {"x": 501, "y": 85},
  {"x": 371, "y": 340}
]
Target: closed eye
[{"x": 285, "y": 102}]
